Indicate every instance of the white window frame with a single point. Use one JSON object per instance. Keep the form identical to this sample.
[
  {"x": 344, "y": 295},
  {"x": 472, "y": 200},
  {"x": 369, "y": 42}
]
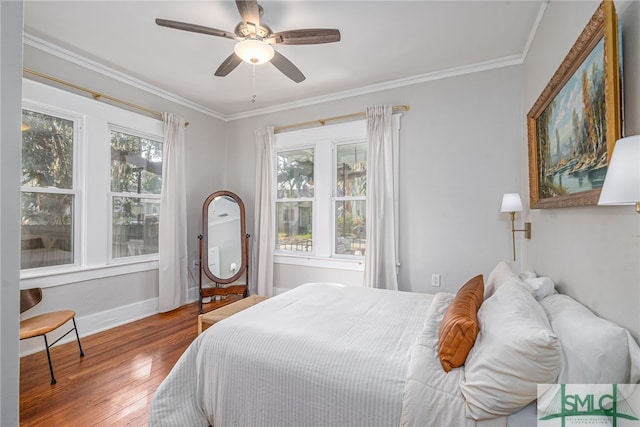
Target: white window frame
[
  {"x": 92, "y": 205},
  {"x": 324, "y": 140},
  {"x": 335, "y": 198},
  {"x": 297, "y": 199},
  {"x": 76, "y": 190},
  {"x": 112, "y": 194},
  {"x": 329, "y": 136}
]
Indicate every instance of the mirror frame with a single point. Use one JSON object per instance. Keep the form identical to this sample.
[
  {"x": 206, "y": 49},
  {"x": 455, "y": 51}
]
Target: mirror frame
[{"x": 205, "y": 238}]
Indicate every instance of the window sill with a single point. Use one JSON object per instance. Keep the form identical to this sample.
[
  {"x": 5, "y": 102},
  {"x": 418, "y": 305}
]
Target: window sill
[
  {"x": 73, "y": 274},
  {"x": 309, "y": 261}
]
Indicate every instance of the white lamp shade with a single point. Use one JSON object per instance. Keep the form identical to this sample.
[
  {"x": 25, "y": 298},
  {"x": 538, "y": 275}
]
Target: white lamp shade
[
  {"x": 254, "y": 51},
  {"x": 622, "y": 182},
  {"x": 511, "y": 203}
]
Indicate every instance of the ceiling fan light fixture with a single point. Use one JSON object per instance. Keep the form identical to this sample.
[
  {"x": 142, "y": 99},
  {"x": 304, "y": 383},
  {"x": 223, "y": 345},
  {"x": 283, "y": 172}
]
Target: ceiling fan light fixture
[
  {"x": 254, "y": 51},
  {"x": 254, "y": 38}
]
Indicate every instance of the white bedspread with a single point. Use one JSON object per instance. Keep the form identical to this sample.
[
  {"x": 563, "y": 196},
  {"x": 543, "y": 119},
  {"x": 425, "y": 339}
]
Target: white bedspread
[
  {"x": 432, "y": 396},
  {"x": 318, "y": 355}
]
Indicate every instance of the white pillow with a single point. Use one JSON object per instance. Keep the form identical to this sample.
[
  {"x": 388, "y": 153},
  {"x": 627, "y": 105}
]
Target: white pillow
[
  {"x": 500, "y": 274},
  {"x": 542, "y": 287},
  {"x": 524, "y": 275},
  {"x": 595, "y": 350},
  {"x": 514, "y": 352}
]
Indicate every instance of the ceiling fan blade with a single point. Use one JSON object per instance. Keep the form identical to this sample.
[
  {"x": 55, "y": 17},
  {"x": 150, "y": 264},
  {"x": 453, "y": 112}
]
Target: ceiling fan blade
[
  {"x": 228, "y": 65},
  {"x": 287, "y": 67},
  {"x": 249, "y": 11},
  {"x": 195, "y": 28},
  {"x": 306, "y": 36}
]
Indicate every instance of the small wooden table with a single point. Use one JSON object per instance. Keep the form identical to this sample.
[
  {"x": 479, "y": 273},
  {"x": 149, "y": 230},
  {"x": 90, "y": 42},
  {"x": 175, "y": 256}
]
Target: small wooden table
[{"x": 223, "y": 312}]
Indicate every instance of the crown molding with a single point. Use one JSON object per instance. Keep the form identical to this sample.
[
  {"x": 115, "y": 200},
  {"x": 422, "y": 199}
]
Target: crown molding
[
  {"x": 534, "y": 29},
  {"x": 506, "y": 61},
  {"x": 67, "y": 55}
]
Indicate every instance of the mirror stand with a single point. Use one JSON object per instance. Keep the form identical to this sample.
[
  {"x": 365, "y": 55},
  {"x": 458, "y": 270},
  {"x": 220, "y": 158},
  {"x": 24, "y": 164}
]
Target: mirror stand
[
  {"x": 218, "y": 290},
  {"x": 223, "y": 249}
]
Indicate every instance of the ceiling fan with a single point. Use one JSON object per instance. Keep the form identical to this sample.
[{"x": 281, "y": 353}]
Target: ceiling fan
[{"x": 255, "y": 40}]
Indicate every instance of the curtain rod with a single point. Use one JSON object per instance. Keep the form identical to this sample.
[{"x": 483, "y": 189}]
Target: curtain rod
[
  {"x": 322, "y": 122},
  {"x": 95, "y": 95}
]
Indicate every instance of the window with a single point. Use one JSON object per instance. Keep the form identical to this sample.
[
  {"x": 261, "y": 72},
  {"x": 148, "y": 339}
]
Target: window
[
  {"x": 91, "y": 181},
  {"x": 350, "y": 198},
  {"x": 48, "y": 190},
  {"x": 136, "y": 182},
  {"x": 321, "y": 195},
  {"x": 321, "y": 192},
  {"x": 294, "y": 200}
]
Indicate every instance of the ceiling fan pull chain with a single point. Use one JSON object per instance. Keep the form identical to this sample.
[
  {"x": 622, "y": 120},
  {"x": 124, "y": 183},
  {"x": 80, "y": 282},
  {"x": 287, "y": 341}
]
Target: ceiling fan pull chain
[{"x": 253, "y": 97}]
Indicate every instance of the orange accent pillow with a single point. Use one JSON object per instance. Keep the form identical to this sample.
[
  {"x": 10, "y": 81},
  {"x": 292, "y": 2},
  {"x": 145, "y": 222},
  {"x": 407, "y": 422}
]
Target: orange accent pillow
[{"x": 459, "y": 327}]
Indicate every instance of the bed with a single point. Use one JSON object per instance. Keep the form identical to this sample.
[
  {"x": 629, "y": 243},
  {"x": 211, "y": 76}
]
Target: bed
[{"x": 331, "y": 355}]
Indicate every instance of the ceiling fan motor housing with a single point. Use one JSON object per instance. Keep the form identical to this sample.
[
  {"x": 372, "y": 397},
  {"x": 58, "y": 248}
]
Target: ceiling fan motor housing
[{"x": 244, "y": 31}]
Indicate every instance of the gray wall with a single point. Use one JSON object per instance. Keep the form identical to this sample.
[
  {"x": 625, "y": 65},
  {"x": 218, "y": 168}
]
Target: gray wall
[
  {"x": 593, "y": 253},
  {"x": 459, "y": 152},
  {"x": 10, "y": 99}
]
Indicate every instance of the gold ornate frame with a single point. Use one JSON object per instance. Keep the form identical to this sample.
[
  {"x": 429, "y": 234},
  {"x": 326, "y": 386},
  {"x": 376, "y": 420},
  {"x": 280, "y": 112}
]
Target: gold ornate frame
[{"x": 603, "y": 23}]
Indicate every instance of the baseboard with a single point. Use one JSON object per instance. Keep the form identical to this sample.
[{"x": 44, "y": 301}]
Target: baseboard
[
  {"x": 101, "y": 321},
  {"x": 94, "y": 323}
]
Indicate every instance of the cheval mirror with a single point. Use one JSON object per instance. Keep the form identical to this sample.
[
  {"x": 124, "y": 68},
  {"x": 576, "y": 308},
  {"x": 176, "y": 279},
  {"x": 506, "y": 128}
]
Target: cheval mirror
[{"x": 224, "y": 248}]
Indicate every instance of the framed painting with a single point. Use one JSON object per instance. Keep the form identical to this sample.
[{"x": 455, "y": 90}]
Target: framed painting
[{"x": 576, "y": 121}]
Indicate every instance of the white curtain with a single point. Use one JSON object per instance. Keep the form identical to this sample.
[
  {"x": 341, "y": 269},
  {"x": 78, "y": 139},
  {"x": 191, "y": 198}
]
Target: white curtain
[
  {"x": 173, "y": 217},
  {"x": 264, "y": 227},
  {"x": 381, "y": 254}
]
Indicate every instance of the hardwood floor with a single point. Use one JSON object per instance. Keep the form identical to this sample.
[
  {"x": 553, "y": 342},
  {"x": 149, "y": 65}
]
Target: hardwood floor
[{"x": 114, "y": 383}]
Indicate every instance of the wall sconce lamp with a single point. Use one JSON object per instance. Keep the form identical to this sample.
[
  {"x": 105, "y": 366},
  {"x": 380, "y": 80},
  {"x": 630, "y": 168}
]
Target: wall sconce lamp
[
  {"x": 622, "y": 182},
  {"x": 511, "y": 203}
]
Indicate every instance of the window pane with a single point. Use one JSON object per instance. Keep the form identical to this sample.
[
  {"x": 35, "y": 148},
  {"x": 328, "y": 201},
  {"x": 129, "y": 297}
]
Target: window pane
[
  {"x": 295, "y": 173},
  {"x": 47, "y": 151},
  {"x": 351, "y": 170},
  {"x": 136, "y": 164},
  {"x": 351, "y": 237},
  {"x": 46, "y": 230},
  {"x": 295, "y": 221},
  {"x": 135, "y": 226}
]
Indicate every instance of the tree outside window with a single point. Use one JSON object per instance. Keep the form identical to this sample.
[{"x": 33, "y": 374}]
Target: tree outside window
[
  {"x": 350, "y": 204},
  {"x": 47, "y": 190},
  {"x": 294, "y": 200},
  {"x": 136, "y": 183}
]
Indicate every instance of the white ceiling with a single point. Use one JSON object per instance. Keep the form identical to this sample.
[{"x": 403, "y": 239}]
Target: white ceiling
[{"x": 384, "y": 44}]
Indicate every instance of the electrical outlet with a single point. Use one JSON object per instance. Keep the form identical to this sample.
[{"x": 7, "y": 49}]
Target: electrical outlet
[{"x": 435, "y": 280}]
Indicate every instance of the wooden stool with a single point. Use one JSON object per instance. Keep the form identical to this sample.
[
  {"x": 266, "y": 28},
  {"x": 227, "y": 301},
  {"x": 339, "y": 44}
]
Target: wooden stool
[{"x": 223, "y": 312}]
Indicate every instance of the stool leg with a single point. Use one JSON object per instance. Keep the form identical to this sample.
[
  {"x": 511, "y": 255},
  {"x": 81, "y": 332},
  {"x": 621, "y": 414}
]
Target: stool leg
[
  {"x": 46, "y": 344},
  {"x": 77, "y": 336}
]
